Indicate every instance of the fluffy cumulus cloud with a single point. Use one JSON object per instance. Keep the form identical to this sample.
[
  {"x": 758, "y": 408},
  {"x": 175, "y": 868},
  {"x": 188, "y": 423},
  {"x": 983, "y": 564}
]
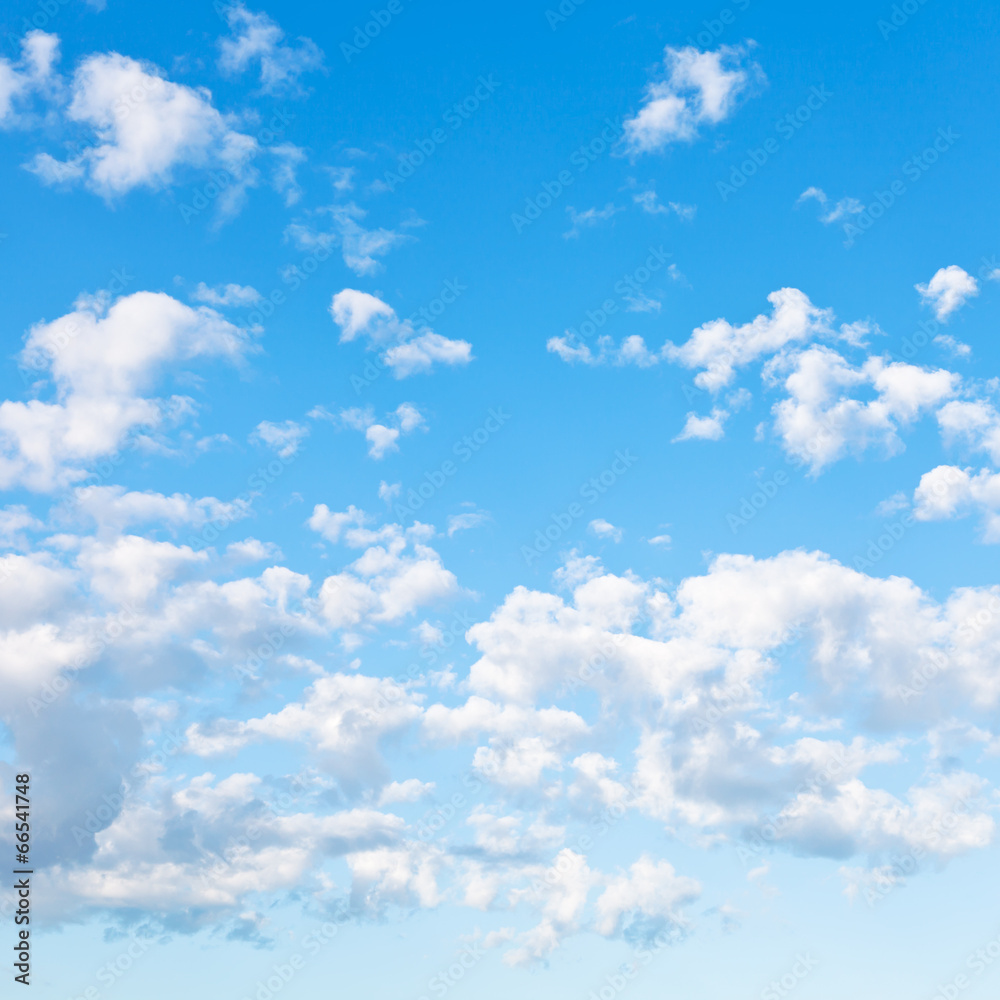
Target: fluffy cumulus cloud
[
  {"x": 710, "y": 428},
  {"x": 948, "y": 290},
  {"x": 795, "y": 693},
  {"x": 717, "y": 348},
  {"x": 32, "y": 74},
  {"x": 255, "y": 40},
  {"x": 821, "y": 419},
  {"x": 285, "y": 438},
  {"x": 699, "y": 88},
  {"x": 383, "y": 435},
  {"x": 948, "y": 491},
  {"x": 403, "y": 348},
  {"x": 716, "y": 749},
  {"x": 832, "y": 407},
  {"x": 145, "y": 128},
  {"x": 397, "y": 573},
  {"x": 101, "y": 360}
]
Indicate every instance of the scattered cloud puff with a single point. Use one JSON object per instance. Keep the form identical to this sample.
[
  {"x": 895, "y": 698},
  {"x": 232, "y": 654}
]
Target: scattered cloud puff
[
  {"x": 226, "y": 295},
  {"x": 359, "y": 246},
  {"x": 466, "y": 521},
  {"x": 411, "y": 790},
  {"x": 605, "y": 529},
  {"x": 383, "y": 438},
  {"x": 949, "y": 290},
  {"x": 398, "y": 572},
  {"x": 819, "y": 422},
  {"x": 588, "y": 219},
  {"x": 404, "y": 350},
  {"x": 948, "y": 491},
  {"x": 828, "y": 411},
  {"x": 844, "y": 207},
  {"x": 710, "y": 428},
  {"x": 31, "y": 74},
  {"x": 700, "y": 88},
  {"x": 974, "y": 423},
  {"x": 651, "y": 205},
  {"x": 145, "y": 128},
  {"x": 717, "y": 347},
  {"x": 255, "y": 38},
  {"x": 100, "y": 370},
  {"x": 284, "y": 439}
]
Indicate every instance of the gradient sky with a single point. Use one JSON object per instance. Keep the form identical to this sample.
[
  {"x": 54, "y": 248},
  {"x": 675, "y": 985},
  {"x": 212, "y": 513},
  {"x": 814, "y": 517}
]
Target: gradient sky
[{"x": 502, "y": 502}]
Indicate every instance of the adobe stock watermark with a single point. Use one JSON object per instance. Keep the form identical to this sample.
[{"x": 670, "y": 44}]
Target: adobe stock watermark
[
  {"x": 283, "y": 973},
  {"x": 884, "y": 879},
  {"x": 717, "y": 25},
  {"x": 913, "y": 169},
  {"x": 899, "y": 14},
  {"x": 562, "y": 13},
  {"x": 750, "y": 506},
  {"x": 112, "y": 629},
  {"x": 373, "y": 368},
  {"x": 550, "y": 191},
  {"x": 463, "y": 449},
  {"x": 445, "y": 979},
  {"x": 366, "y": 33},
  {"x": 222, "y": 179},
  {"x": 786, "y": 127},
  {"x": 47, "y": 10},
  {"x": 937, "y": 661},
  {"x": 39, "y": 361},
  {"x": 258, "y": 482},
  {"x": 786, "y": 984},
  {"x": 455, "y": 117},
  {"x": 628, "y": 289},
  {"x": 591, "y": 490},
  {"x": 617, "y": 982}
]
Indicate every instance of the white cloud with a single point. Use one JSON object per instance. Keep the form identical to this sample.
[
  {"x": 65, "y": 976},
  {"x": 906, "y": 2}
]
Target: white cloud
[
  {"x": 332, "y": 525},
  {"x": 410, "y": 790},
  {"x": 343, "y": 717},
  {"x": 948, "y": 290},
  {"x": 846, "y": 206},
  {"x": 100, "y": 367},
  {"x": 32, "y": 73},
  {"x": 131, "y": 568},
  {"x": 604, "y": 529},
  {"x": 15, "y": 521},
  {"x": 710, "y": 428},
  {"x": 405, "y": 350},
  {"x": 284, "y": 438},
  {"x": 396, "y": 574},
  {"x": 820, "y": 422},
  {"x": 975, "y": 422},
  {"x": 360, "y": 247},
  {"x": 463, "y": 522},
  {"x": 719, "y": 348},
  {"x": 948, "y": 491},
  {"x": 146, "y": 127},
  {"x": 115, "y": 509},
  {"x": 700, "y": 88},
  {"x": 256, "y": 38},
  {"x": 381, "y": 437},
  {"x": 587, "y": 219},
  {"x": 226, "y": 295},
  {"x": 652, "y": 889}
]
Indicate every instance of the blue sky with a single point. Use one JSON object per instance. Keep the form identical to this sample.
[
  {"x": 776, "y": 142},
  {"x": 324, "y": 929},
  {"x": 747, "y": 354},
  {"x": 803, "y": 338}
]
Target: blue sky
[{"x": 502, "y": 502}]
